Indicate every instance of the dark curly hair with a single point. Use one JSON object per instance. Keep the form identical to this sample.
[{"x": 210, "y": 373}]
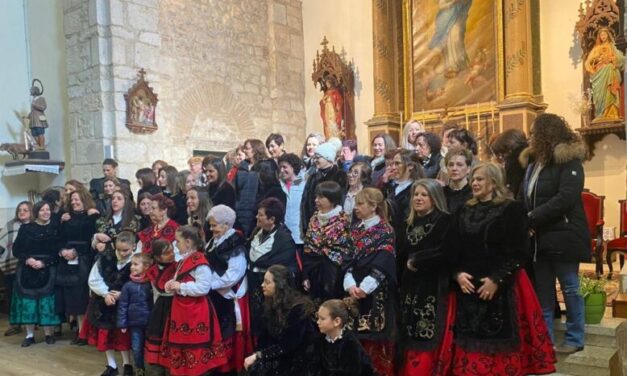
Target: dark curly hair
[{"x": 547, "y": 131}]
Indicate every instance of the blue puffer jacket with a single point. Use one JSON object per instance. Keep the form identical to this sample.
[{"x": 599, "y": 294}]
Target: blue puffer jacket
[{"x": 135, "y": 304}]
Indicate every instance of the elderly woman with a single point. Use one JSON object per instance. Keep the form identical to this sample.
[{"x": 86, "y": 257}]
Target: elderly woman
[
  {"x": 498, "y": 325},
  {"x": 8, "y": 262},
  {"x": 161, "y": 226},
  {"x": 271, "y": 244},
  {"x": 428, "y": 148},
  {"x": 226, "y": 253},
  {"x": 36, "y": 247},
  {"x": 326, "y": 252},
  {"x": 551, "y": 191},
  {"x": 358, "y": 178}
]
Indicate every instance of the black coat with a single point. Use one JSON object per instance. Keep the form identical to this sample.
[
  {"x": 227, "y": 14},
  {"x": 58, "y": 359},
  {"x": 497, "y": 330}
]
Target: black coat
[
  {"x": 431, "y": 166},
  {"x": 344, "y": 357},
  {"x": 76, "y": 234},
  {"x": 222, "y": 194},
  {"x": 555, "y": 208}
]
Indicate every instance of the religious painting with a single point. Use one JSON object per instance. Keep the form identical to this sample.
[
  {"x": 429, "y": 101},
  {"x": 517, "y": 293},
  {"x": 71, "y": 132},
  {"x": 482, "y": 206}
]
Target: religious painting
[
  {"x": 141, "y": 106},
  {"x": 453, "y": 53}
]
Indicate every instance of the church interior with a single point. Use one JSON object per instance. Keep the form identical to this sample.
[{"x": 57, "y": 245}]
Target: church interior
[{"x": 213, "y": 73}]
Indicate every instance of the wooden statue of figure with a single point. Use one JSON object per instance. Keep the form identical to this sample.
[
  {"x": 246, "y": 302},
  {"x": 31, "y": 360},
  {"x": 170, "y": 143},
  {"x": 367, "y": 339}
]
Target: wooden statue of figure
[
  {"x": 37, "y": 117},
  {"x": 332, "y": 108},
  {"x": 604, "y": 64}
]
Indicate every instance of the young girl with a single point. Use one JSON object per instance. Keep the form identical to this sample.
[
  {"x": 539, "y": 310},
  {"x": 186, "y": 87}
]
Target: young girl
[
  {"x": 192, "y": 339},
  {"x": 134, "y": 307},
  {"x": 159, "y": 274},
  {"x": 339, "y": 352},
  {"x": 106, "y": 279}
]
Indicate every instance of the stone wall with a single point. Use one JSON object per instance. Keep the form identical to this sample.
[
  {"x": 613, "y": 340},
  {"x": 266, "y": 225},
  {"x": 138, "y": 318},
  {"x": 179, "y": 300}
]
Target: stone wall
[{"x": 224, "y": 71}]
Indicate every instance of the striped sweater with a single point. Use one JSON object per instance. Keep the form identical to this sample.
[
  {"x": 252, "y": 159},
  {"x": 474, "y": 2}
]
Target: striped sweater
[{"x": 8, "y": 262}]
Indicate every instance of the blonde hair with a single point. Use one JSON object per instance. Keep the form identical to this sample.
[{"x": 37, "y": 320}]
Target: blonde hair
[
  {"x": 500, "y": 192},
  {"x": 373, "y": 196},
  {"x": 144, "y": 258},
  {"x": 436, "y": 194}
]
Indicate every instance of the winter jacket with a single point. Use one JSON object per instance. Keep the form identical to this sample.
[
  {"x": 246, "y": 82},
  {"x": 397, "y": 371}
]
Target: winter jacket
[
  {"x": 292, "y": 208},
  {"x": 134, "y": 305},
  {"x": 555, "y": 208}
]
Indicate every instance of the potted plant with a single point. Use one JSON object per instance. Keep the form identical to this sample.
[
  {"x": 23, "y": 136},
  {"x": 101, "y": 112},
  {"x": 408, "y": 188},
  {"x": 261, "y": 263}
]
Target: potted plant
[{"x": 593, "y": 292}]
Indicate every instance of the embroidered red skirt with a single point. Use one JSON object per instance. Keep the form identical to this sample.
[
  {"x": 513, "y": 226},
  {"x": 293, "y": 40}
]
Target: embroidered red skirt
[
  {"x": 382, "y": 355},
  {"x": 240, "y": 344},
  {"x": 535, "y": 354},
  {"x": 438, "y": 361},
  {"x": 105, "y": 339}
]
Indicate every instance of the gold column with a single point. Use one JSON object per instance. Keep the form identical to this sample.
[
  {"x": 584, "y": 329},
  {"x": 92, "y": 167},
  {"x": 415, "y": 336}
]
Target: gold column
[
  {"x": 387, "y": 46},
  {"x": 521, "y": 95}
]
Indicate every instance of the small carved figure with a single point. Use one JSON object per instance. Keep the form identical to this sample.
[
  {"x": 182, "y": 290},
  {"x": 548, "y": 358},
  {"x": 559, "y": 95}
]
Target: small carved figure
[
  {"x": 37, "y": 117},
  {"x": 15, "y": 149}
]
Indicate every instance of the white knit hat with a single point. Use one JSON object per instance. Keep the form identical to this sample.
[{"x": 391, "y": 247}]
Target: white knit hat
[{"x": 329, "y": 149}]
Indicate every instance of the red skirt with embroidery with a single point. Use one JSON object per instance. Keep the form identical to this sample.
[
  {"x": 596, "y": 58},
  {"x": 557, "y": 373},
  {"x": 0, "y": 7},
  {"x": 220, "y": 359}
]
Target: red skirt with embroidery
[
  {"x": 192, "y": 341},
  {"x": 438, "y": 361},
  {"x": 240, "y": 344},
  {"x": 535, "y": 354},
  {"x": 382, "y": 355},
  {"x": 105, "y": 339}
]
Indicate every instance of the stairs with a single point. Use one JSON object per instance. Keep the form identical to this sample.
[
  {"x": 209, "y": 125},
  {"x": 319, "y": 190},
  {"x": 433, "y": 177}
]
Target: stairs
[{"x": 599, "y": 354}]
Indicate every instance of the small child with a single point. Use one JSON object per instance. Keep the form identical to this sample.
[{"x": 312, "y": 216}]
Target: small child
[
  {"x": 159, "y": 274},
  {"x": 339, "y": 352},
  {"x": 134, "y": 307},
  {"x": 106, "y": 279}
]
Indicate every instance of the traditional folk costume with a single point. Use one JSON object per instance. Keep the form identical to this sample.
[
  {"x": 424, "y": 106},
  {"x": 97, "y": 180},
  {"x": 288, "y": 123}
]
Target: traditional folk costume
[
  {"x": 374, "y": 271},
  {"x": 507, "y": 334},
  {"x": 267, "y": 248},
  {"x": 108, "y": 274},
  {"x": 159, "y": 275},
  {"x": 326, "y": 254},
  {"x": 192, "y": 343},
  {"x": 33, "y": 297},
  {"x": 427, "y": 306},
  {"x": 229, "y": 294},
  {"x": 152, "y": 232},
  {"x": 342, "y": 356}
]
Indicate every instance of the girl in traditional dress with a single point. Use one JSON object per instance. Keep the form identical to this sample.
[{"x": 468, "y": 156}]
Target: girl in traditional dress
[
  {"x": 338, "y": 352},
  {"x": 226, "y": 253},
  {"x": 372, "y": 279},
  {"x": 326, "y": 251},
  {"x": 106, "y": 279},
  {"x": 499, "y": 327},
  {"x": 427, "y": 307},
  {"x": 192, "y": 341}
]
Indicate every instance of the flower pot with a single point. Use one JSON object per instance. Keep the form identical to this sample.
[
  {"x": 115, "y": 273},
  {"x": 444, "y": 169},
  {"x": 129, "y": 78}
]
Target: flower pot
[{"x": 594, "y": 305}]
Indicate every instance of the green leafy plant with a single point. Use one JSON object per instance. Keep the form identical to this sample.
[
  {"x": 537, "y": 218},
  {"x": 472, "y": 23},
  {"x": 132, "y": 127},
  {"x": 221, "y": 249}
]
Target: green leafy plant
[{"x": 589, "y": 285}]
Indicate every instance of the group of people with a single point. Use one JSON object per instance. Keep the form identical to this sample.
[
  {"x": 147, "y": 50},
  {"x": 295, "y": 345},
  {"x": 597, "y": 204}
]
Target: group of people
[{"x": 415, "y": 260}]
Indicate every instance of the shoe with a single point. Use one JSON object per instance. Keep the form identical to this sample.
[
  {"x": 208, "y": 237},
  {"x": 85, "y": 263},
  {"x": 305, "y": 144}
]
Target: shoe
[
  {"x": 76, "y": 340},
  {"x": 110, "y": 371},
  {"x": 128, "y": 370},
  {"x": 58, "y": 331},
  {"x": 140, "y": 372},
  {"x": 567, "y": 349},
  {"x": 28, "y": 341},
  {"x": 50, "y": 340},
  {"x": 13, "y": 330}
]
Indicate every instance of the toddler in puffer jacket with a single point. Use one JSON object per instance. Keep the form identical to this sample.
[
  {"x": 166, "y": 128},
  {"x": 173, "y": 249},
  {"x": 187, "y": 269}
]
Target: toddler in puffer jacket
[{"x": 134, "y": 307}]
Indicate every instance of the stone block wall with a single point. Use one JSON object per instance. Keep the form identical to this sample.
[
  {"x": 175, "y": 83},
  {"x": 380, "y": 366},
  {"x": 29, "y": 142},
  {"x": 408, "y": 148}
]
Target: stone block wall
[{"x": 224, "y": 70}]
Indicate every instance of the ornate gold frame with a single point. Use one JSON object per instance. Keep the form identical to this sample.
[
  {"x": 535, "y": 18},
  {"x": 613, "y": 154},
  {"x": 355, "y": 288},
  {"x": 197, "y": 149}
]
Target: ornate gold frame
[{"x": 458, "y": 111}]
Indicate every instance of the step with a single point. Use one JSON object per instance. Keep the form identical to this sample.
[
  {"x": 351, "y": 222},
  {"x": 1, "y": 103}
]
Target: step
[
  {"x": 591, "y": 361},
  {"x": 601, "y": 335}
]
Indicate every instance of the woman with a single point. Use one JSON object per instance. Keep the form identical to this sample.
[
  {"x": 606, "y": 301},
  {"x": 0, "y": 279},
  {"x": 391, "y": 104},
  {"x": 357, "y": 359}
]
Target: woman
[
  {"x": 428, "y": 148},
  {"x": 234, "y": 158},
  {"x": 411, "y": 131},
  {"x": 147, "y": 181},
  {"x": 157, "y": 166},
  {"x": 8, "y": 261},
  {"x": 326, "y": 251},
  {"x": 287, "y": 327},
  {"x": 255, "y": 151},
  {"x": 180, "y": 197},
  {"x": 36, "y": 247},
  {"x": 226, "y": 253},
  {"x": 161, "y": 226},
  {"x": 167, "y": 180},
  {"x": 381, "y": 143},
  {"x": 69, "y": 187},
  {"x": 371, "y": 279},
  {"x": 271, "y": 244},
  {"x": 427, "y": 308},
  {"x": 312, "y": 142},
  {"x": 498, "y": 325},
  {"x": 458, "y": 162},
  {"x": 247, "y": 184},
  {"x": 144, "y": 207},
  {"x": 463, "y": 138},
  {"x": 604, "y": 64},
  {"x": 198, "y": 206},
  {"x": 75, "y": 259},
  {"x": 220, "y": 190},
  {"x": 358, "y": 178},
  {"x": 110, "y": 185},
  {"x": 551, "y": 192},
  {"x": 506, "y": 148},
  {"x": 269, "y": 184},
  {"x": 276, "y": 146},
  {"x": 405, "y": 169},
  {"x": 120, "y": 218}
]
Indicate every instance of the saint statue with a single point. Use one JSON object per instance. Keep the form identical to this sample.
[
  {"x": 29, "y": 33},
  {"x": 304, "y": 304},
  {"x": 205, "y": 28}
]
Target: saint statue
[
  {"x": 332, "y": 109},
  {"x": 450, "y": 31},
  {"x": 603, "y": 64},
  {"x": 37, "y": 117}
]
